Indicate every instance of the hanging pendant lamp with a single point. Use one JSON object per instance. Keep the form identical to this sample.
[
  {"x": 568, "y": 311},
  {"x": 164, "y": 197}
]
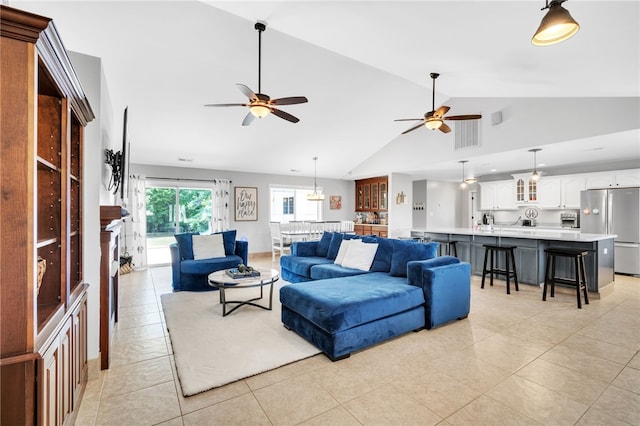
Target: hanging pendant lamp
[
  {"x": 535, "y": 175},
  {"x": 556, "y": 26},
  {"x": 465, "y": 182},
  {"x": 315, "y": 196}
]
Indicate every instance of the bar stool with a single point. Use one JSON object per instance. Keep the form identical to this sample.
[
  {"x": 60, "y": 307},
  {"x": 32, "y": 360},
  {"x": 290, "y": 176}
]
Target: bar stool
[
  {"x": 446, "y": 247},
  {"x": 580, "y": 280},
  {"x": 491, "y": 251}
]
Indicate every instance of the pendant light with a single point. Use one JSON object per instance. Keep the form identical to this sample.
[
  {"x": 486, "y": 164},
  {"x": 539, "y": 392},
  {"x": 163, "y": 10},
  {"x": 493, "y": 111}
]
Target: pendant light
[
  {"x": 315, "y": 196},
  {"x": 556, "y": 26},
  {"x": 468, "y": 181},
  {"x": 535, "y": 175}
]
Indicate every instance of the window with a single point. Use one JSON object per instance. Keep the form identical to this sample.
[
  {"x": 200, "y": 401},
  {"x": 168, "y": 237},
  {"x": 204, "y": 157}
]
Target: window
[
  {"x": 287, "y": 205},
  {"x": 290, "y": 203}
]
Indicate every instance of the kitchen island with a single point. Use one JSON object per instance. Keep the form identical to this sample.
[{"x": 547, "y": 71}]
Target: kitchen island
[{"x": 530, "y": 258}]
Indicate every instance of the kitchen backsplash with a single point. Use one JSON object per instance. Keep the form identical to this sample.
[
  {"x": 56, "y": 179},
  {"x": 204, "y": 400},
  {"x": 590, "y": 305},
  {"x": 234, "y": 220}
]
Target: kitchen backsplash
[{"x": 545, "y": 219}]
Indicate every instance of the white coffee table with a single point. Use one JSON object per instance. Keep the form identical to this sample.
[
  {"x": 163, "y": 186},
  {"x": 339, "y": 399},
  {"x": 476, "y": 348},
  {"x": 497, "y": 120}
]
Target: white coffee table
[{"x": 222, "y": 281}]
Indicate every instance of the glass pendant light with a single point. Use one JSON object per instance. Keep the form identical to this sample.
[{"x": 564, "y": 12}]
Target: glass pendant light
[
  {"x": 556, "y": 26},
  {"x": 315, "y": 196},
  {"x": 535, "y": 175}
]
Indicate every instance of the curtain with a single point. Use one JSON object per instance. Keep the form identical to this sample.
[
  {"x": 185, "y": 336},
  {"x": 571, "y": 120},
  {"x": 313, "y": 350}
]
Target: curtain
[
  {"x": 133, "y": 238},
  {"x": 220, "y": 220}
]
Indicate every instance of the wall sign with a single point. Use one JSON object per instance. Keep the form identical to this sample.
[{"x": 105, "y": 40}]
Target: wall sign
[{"x": 246, "y": 203}]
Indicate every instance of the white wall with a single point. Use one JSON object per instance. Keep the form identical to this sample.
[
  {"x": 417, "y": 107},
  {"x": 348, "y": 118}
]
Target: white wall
[
  {"x": 257, "y": 233},
  {"x": 400, "y": 215},
  {"x": 98, "y": 135}
]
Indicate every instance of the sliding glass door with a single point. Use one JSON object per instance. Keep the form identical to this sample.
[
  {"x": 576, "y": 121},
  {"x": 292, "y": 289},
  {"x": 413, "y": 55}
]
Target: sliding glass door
[{"x": 174, "y": 210}]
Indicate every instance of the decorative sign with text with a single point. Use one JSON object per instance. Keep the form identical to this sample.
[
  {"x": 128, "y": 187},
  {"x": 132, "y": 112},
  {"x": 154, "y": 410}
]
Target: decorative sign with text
[{"x": 246, "y": 203}]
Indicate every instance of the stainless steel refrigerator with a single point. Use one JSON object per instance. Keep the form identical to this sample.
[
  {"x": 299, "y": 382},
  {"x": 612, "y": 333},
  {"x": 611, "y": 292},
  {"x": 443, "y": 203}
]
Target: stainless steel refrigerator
[{"x": 615, "y": 211}]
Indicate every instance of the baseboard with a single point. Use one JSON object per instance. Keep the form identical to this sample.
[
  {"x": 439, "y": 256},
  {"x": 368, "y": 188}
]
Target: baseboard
[{"x": 94, "y": 368}]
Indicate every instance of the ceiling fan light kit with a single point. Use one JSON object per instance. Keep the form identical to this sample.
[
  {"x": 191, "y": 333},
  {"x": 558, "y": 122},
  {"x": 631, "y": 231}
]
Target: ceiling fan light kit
[
  {"x": 434, "y": 119},
  {"x": 260, "y": 105},
  {"x": 556, "y": 26}
]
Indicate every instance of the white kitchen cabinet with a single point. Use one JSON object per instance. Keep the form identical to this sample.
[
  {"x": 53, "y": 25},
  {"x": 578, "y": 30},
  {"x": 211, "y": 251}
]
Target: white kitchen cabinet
[
  {"x": 550, "y": 193},
  {"x": 497, "y": 195},
  {"x": 560, "y": 192},
  {"x": 612, "y": 179},
  {"x": 525, "y": 189}
]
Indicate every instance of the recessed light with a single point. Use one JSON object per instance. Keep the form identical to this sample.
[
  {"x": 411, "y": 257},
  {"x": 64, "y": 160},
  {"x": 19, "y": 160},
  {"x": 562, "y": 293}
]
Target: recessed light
[{"x": 494, "y": 170}]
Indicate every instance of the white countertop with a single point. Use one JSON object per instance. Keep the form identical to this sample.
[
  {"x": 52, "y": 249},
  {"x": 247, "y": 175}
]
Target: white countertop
[{"x": 529, "y": 233}]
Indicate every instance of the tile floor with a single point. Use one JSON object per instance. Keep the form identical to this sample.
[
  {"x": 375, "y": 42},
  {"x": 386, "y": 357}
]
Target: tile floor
[{"x": 515, "y": 361}]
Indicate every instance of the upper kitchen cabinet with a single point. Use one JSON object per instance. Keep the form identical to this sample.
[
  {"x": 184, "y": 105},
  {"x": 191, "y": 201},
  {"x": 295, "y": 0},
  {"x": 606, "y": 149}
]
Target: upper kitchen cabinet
[
  {"x": 497, "y": 195},
  {"x": 372, "y": 194},
  {"x": 560, "y": 192},
  {"x": 526, "y": 189},
  {"x": 613, "y": 179}
]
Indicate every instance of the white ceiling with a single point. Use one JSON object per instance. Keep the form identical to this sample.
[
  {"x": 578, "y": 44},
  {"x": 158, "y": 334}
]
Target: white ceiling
[{"x": 363, "y": 64}]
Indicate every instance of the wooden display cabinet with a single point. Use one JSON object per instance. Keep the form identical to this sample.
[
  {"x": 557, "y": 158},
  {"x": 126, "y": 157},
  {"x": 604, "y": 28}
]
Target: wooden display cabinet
[
  {"x": 372, "y": 194},
  {"x": 43, "y": 328}
]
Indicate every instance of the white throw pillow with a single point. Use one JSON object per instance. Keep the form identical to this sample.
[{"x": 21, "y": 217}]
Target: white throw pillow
[
  {"x": 208, "y": 246},
  {"x": 360, "y": 256},
  {"x": 344, "y": 248}
]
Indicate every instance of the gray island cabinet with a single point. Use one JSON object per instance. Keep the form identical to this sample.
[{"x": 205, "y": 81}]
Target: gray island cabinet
[{"x": 530, "y": 256}]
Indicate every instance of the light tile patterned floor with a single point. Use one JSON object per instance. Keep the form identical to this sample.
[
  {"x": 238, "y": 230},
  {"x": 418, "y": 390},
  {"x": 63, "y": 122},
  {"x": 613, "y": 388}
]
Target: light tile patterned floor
[{"x": 515, "y": 361}]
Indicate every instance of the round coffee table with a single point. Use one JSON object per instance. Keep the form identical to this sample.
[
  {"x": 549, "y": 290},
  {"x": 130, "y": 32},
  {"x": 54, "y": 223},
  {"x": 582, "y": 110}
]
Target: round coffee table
[{"x": 223, "y": 281}]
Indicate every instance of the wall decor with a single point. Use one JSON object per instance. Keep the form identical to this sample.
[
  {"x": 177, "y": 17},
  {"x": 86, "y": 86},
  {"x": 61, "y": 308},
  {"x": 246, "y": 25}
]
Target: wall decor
[
  {"x": 335, "y": 202},
  {"x": 246, "y": 203}
]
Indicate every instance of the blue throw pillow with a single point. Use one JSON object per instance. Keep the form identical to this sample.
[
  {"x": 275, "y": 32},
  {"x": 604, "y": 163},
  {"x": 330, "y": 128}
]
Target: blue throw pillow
[
  {"x": 229, "y": 239},
  {"x": 405, "y": 251},
  {"x": 382, "y": 261},
  {"x": 185, "y": 244},
  {"x": 323, "y": 245}
]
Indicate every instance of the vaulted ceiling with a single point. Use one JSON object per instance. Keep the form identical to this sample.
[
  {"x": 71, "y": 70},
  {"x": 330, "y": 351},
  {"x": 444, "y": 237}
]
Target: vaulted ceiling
[{"x": 363, "y": 64}]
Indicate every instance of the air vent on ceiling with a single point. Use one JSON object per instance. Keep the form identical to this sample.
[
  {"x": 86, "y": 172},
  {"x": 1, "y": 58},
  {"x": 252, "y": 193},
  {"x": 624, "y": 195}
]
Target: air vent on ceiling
[{"x": 467, "y": 134}]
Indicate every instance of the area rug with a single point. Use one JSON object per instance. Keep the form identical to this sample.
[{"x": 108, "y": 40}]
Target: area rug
[{"x": 211, "y": 350}]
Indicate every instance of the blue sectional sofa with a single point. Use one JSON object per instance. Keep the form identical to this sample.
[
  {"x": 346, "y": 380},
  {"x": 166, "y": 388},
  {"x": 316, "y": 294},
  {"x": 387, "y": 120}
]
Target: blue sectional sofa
[
  {"x": 191, "y": 275},
  {"x": 341, "y": 310}
]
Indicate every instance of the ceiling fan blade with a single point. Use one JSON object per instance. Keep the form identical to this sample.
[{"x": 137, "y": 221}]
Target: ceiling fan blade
[
  {"x": 413, "y": 128},
  {"x": 285, "y": 115},
  {"x": 289, "y": 101},
  {"x": 441, "y": 111},
  {"x": 248, "y": 119},
  {"x": 464, "y": 117},
  {"x": 409, "y": 119},
  {"x": 225, "y": 105},
  {"x": 247, "y": 92},
  {"x": 444, "y": 128}
]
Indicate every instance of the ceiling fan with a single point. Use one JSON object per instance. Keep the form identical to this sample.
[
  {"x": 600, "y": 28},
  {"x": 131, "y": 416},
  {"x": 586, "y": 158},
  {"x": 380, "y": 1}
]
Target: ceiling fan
[
  {"x": 260, "y": 105},
  {"x": 433, "y": 119}
]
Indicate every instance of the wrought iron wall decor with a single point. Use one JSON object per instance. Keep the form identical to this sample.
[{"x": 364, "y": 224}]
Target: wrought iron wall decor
[{"x": 114, "y": 160}]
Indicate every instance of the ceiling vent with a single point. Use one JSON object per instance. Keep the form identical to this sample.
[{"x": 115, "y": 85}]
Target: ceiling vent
[{"x": 467, "y": 134}]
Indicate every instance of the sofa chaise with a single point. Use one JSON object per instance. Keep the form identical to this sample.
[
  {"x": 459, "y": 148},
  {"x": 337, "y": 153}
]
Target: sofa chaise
[
  {"x": 341, "y": 310},
  {"x": 189, "y": 274}
]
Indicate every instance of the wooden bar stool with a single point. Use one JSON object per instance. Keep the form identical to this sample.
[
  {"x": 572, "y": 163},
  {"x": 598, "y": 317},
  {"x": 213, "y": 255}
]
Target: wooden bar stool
[
  {"x": 491, "y": 252},
  {"x": 446, "y": 247},
  {"x": 580, "y": 280}
]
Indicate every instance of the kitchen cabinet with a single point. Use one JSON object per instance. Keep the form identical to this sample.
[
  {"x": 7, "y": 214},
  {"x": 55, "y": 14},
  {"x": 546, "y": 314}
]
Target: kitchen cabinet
[
  {"x": 43, "y": 114},
  {"x": 618, "y": 178},
  {"x": 372, "y": 194},
  {"x": 526, "y": 189},
  {"x": 364, "y": 229},
  {"x": 497, "y": 195},
  {"x": 560, "y": 192}
]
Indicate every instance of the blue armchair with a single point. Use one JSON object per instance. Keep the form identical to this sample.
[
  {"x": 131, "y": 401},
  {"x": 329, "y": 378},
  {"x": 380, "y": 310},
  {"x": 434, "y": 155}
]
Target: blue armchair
[{"x": 191, "y": 275}]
